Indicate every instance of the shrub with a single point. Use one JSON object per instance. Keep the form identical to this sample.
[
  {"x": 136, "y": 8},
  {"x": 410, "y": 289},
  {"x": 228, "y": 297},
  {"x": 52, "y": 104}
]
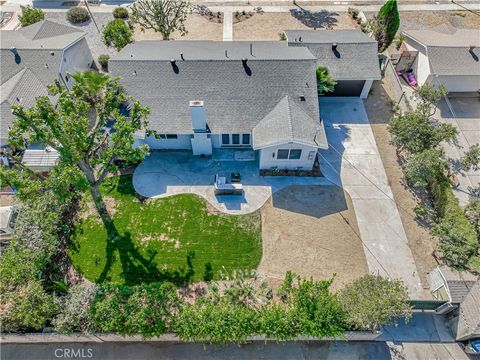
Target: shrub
[
  {"x": 120, "y": 13},
  {"x": 421, "y": 169},
  {"x": 325, "y": 82},
  {"x": 117, "y": 34},
  {"x": 30, "y": 15},
  {"x": 73, "y": 309},
  {"x": 282, "y": 36},
  {"x": 103, "y": 61},
  {"x": 27, "y": 308},
  {"x": 353, "y": 12},
  {"x": 372, "y": 301},
  {"x": 77, "y": 15},
  {"x": 141, "y": 309}
]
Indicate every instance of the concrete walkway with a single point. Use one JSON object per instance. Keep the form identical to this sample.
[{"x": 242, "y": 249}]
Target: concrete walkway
[
  {"x": 227, "y": 26},
  {"x": 353, "y": 162},
  {"x": 168, "y": 173}
]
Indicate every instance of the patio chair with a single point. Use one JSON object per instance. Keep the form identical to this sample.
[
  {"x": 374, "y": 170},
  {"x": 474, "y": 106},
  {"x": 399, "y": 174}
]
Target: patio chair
[{"x": 221, "y": 187}]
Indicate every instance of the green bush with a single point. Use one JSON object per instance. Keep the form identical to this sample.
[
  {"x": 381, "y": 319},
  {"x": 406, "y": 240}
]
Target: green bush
[
  {"x": 103, "y": 61},
  {"x": 120, "y": 13},
  {"x": 372, "y": 301},
  {"x": 458, "y": 240},
  {"x": 30, "y": 15},
  {"x": 77, "y": 15},
  {"x": 117, "y": 33},
  {"x": 128, "y": 310}
]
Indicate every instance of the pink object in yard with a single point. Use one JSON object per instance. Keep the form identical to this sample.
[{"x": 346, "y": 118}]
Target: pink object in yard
[{"x": 411, "y": 79}]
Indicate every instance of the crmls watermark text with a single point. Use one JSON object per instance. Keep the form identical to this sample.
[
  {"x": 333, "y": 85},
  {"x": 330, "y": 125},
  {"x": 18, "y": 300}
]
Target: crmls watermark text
[{"x": 67, "y": 353}]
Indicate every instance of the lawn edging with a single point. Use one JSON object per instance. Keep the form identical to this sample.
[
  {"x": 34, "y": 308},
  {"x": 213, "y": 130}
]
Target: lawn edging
[{"x": 41, "y": 338}]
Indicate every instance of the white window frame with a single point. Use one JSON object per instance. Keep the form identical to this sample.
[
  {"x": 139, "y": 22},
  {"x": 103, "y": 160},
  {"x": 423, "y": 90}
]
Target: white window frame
[
  {"x": 230, "y": 139},
  {"x": 289, "y": 154}
]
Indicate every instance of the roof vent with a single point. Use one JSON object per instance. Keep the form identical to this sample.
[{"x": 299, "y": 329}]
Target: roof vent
[
  {"x": 334, "y": 46},
  {"x": 181, "y": 57},
  {"x": 226, "y": 53},
  {"x": 251, "y": 49},
  {"x": 134, "y": 72},
  {"x": 131, "y": 55},
  {"x": 19, "y": 99},
  {"x": 14, "y": 50},
  {"x": 244, "y": 61},
  {"x": 300, "y": 39},
  {"x": 52, "y": 53},
  {"x": 172, "y": 61},
  {"x": 302, "y": 98}
]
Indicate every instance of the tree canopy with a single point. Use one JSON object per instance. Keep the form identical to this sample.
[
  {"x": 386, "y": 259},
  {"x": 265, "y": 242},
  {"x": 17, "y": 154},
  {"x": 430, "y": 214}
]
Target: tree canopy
[
  {"x": 385, "y": 24},
  {"x": 92, "y": 126},
  {"x": 163, "y": 16}
]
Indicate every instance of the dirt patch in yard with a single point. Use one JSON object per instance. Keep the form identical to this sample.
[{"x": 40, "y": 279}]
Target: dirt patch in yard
[
  {"x": 198, "y": 27},
  {"x": 419, "y": 239},
  {"x": 312, "y": 231},
  {"x": 416, "y": 20},
  {"x": 268, "y": 26}
]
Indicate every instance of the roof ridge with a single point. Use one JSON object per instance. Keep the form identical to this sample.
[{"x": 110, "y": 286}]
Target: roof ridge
[{"x": 289, "y": 116}]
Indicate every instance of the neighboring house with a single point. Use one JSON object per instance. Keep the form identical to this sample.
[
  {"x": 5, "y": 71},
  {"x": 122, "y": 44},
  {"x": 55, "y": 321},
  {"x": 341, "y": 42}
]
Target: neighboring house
[
  {"x": 445, "y": 55},
  {"x": 32, "y": 58},
  {"x": 212, "y": 94},
  {"x": 350, "y": 56},
  {"x": 8, "y": 214},
  {"x": 468, "y": 319},
  {"x": 450, "y": 285},
  {"x": 39, "y": 158}
]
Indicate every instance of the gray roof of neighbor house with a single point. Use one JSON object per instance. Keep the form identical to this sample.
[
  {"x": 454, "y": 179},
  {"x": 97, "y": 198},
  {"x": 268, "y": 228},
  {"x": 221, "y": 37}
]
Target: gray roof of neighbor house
[
  {"x": 450, "y": 51},
  {"x": 37, "y": 156},
  {"x": 239, "y": 82},
  {"x": 469, "y": 314},
  {"x": 355, "y": 56},
  {"x": 30, "y": 59},
  {"x": 288, "y": 122}
]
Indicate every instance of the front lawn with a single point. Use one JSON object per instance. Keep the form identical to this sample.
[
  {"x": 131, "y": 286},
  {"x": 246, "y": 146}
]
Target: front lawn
[{"x": 175, "y": 238}]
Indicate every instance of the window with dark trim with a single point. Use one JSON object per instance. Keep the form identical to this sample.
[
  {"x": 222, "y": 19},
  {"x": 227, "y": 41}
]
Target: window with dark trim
[
  {"x": 295, "y": 154},
  {"x": 235, "y": 139},
  {"x": 246, "y": 139},
  {"x": 225, "y": 139},
  {"x": 282, "y": 154},
  {"x": 172, "y": 136}
]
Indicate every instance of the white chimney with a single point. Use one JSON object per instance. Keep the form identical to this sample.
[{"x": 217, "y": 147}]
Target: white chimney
[{"x": 197, "y": 111}]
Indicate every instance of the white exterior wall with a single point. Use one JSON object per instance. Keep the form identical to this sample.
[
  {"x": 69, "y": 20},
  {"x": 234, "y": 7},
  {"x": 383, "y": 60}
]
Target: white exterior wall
[
  {"x": 75, "y": 58},
  {"x": 216, "y": 142},
  {"x": 366, "y": 89},
  {"x": 459, "y": 83},
  {"x": 201, "y": 144},
  {"x": 181, "y": 143},
  {"x": 267, "y": 160},
  {"x": 421, "y": 66}
]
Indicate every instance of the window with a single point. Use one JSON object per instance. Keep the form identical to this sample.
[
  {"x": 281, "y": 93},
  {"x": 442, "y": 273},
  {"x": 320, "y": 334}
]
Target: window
[
  {"x": 225, "y": 139},
  {"x": 246, "y": 139},
  {"x": 295, "y": 154},
  {"x": 282, "y": 154},
  {"x": 166, "y": 136},
  {"x": 290, "y": 154},
  {"x": 235, "y": 139}
]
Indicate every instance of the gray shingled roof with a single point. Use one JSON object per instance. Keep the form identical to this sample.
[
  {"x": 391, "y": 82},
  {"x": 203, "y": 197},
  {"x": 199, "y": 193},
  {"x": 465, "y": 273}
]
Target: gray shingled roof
[
  {"x": 25, "y": 76},
  {"x": 450, "y": 51},
  {"x": 459, "y": 289},
  {"x": 288, "y": 122},
  {"x": 469, "y": 314},
  {"x": 34, "y": 157},
  {"x": 236, "y": 96},
  {"x": 355, "y": 58}
]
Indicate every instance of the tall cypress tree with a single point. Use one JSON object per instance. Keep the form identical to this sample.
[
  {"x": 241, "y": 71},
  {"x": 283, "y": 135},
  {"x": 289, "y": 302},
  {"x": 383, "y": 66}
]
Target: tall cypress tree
[{"x": 388, "y": 15}]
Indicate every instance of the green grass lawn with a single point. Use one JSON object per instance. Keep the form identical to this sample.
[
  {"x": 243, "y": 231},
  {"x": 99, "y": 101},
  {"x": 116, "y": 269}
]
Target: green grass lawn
[{"x": 174, "y": 239}]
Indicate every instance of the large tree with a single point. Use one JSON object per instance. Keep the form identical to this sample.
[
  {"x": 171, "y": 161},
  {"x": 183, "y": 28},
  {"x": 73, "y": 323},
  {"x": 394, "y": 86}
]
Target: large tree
[
  {"x": 163, "y": 16},
  {"x": 91, "y": 126},
  {"x": 385, "y": 24}
]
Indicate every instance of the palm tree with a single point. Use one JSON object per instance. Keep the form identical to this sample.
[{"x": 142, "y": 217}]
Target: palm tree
[
  {"x": 91, "y": 84},
  {"x": 325, "y": 83}
]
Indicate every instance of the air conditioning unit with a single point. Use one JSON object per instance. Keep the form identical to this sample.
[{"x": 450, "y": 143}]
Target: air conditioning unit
[{"x": 445, "y": 308}]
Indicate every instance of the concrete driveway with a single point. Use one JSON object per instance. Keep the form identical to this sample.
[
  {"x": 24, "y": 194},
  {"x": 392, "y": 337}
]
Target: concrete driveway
[
  {"x": 463, "y": 112},
  {"x": 353, "y": 162},
  {"x": 169, "y": 173}
]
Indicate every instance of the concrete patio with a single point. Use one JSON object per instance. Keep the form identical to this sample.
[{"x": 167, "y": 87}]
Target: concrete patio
[{"x": 169, "y": 173}]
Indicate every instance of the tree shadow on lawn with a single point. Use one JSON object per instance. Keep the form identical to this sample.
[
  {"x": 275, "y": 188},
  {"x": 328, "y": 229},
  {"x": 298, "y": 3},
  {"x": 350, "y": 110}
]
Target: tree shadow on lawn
[{"x": 135, "y": 267}]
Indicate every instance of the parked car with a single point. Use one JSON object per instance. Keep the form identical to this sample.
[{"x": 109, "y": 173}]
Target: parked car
[{"x": 472, "y": 347}]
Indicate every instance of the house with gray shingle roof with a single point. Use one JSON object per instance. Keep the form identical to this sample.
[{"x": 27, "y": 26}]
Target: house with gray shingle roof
[
  {"x": 213, "y": 94},
  {"x": 32, "y": 58},
  {"x": 444, "y": 55},
  {"x": 468, "y": 319},
  {"x": 350, "y": 56}
]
